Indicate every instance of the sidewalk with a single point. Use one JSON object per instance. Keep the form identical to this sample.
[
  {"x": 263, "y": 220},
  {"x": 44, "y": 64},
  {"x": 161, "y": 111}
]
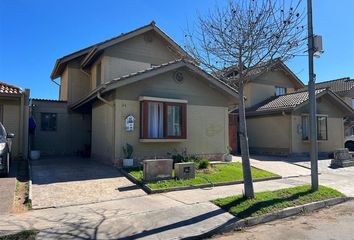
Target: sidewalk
[
  {"x": 281, "y": 168},
  {"x": 171, "y": 215}
]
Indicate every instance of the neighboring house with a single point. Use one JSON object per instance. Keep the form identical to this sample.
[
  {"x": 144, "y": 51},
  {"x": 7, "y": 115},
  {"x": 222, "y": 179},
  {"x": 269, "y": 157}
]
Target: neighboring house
[
  {"x": 14, "y": 116},
  {"x": 143, "y": 89},
  {"x": 277, "y": 115},
  {"x": 344, "y": 88}
]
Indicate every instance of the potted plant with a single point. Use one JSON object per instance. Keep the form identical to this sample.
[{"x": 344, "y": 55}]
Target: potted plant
[
  {"x": 227, "y": 156},
  {"x": 128, "y": 160}
]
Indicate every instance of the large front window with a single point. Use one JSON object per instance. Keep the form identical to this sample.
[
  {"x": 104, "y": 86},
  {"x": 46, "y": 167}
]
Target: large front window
[
  {"x": 322, "y": 131},
  {"x": 163, "y": 119}
]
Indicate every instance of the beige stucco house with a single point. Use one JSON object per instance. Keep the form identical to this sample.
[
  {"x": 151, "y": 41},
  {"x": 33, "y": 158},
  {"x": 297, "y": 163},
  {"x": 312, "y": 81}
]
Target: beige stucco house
[
  {"x": 344, "y": 88},
  {"x": 277, "y": 114},
  {"x": 14, "y": 116},
  {"x": 143, "y": 89}
]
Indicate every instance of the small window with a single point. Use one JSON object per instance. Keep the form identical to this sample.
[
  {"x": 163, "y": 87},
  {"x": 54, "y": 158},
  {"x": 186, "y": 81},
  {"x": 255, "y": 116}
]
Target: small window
[
  {"x": 48, "y": 121},
  {"x": 353, "y": 103},
  {"x": 280, "y": 91},
  {"x": 322, "y": 131},
  {"x": 163, "y": 120}
]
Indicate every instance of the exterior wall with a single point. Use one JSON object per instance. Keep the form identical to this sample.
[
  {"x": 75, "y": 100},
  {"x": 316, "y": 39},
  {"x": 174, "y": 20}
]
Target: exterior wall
[
  {"x": 63, "y": 92},
  {"x": 207, "y": 119},
  {"x": 116, "y": 67},
  {"x": 134, "y": 55},
  {"x": 79, "y": 83},
  {"x": 206, "y": 132},
  {"x": 71, "y": 135},
  {"x": 74, "y": 84},
  {"x": 335, "y": 128},
  {"x": 269, "y": 134},
  {"x": 102, "y": 132},
  {"x": 335, "y": 136},
  {"x": 12, "y": 122},
  {"x": 263, "y": 87}
]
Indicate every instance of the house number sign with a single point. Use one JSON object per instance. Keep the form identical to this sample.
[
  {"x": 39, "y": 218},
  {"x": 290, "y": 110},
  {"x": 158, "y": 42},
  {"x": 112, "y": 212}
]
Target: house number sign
[{"x": 129, "y": 123}]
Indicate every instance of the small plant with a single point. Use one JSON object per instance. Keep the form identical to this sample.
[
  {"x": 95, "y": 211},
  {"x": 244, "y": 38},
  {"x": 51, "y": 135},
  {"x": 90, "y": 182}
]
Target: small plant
[
  {"x": 203, "y": 164},
  {"x": 228, "y": 149},
  {"x": 128, "y": 151}
]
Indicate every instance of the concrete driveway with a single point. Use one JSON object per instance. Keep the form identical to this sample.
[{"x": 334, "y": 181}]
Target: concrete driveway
[
  {"x": 7, "y": 190},
  {"x": 66, "y": 181}
]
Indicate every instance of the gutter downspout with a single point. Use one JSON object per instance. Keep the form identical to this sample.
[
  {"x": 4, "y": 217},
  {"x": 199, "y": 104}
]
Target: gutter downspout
[{"x": 113, "y": 123}]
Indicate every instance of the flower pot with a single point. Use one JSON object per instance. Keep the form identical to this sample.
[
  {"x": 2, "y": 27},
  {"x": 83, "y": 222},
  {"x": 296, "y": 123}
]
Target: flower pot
[
  {"x": 128, "y": 162},
  {"x": 227, "y": 157},
  {"x": 35, "y": 154}
]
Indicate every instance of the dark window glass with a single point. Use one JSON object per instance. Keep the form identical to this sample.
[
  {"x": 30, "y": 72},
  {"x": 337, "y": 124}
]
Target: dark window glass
[{"x": 48, "y": 121}]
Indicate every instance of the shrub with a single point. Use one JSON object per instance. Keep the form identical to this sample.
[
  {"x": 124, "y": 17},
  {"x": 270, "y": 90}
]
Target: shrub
[
  {"x": 203, "y": 164},
  {"x": 128, "y": 151}
]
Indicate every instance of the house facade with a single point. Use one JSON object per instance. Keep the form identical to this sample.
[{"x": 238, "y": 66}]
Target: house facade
[
  {"x": 344, "y": 88},
  {"x": 141, "y": 88},
  {"x": 14, "y": 109},
  {"x": 277, "y": 115}
]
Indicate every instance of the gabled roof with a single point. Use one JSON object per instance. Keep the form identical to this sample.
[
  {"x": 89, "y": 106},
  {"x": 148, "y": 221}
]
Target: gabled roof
[
  {"x": 340, "y": 86},
  {"x": 255, "y": 72},
  {"x": 282, "y": 102},
  {"x": 292, "y": 101},
  {"x": 9, "y": 90},
  {"x": 90, "y": 52},
  {"x": 153, "y": 71}
]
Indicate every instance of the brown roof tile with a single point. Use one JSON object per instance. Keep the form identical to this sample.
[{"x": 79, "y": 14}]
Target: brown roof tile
[
  {"x": 340, "y": 85},
  {"x": 9, "y": 89},
  {"x": 282, "y": 102}
]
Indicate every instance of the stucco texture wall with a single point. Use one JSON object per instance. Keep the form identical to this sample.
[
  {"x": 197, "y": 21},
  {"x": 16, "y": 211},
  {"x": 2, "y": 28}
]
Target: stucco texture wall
[
  {"x": 335, "y": 126},
  {"x": 136, "y": 54},
  {"x": 263, "y": 87},
  {"x": 71, "y": 135},
  {"x": 11, "y": 122},
  {"x": 102, "y": 148},
  {"x": 207, "y": 118},
  {"x": 269, "y": 134}
]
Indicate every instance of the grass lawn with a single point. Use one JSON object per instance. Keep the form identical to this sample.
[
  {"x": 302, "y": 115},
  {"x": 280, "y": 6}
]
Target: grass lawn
[
  {"x": 271, "y": 201},
  {"x": 218, "y": 173},
  {"x": 24, "y": 235}
]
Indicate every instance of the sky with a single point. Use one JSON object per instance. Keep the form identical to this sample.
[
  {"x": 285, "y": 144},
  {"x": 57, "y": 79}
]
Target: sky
[{"x": 34, "y": 33}]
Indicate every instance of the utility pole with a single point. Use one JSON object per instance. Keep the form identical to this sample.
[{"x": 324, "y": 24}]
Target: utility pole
[{"x": 312, "y": 102}]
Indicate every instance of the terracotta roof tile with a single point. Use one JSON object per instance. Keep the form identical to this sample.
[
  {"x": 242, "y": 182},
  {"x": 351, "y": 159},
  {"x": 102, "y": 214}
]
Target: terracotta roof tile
[{"x": 9, "y": 89}]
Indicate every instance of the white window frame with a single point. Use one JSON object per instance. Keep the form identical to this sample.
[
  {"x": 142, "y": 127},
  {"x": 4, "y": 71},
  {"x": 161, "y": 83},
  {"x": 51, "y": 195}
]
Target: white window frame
[{"x": 280, "y": 90}]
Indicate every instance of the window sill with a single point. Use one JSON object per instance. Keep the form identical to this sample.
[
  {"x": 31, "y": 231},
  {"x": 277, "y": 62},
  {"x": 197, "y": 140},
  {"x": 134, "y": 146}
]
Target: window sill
[{"x": 159, "y": 140}]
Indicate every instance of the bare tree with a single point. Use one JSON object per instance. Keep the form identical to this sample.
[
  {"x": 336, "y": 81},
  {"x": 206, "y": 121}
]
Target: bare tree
[{"x": 242, "y": 40}]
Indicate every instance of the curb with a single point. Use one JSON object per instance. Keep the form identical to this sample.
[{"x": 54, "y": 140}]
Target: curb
[
  {"x": 236, "y": 224},
  {"x": 148, "y": 190}
]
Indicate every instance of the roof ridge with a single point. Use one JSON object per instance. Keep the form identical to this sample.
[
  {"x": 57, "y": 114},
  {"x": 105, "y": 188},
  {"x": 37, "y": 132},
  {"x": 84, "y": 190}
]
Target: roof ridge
[
  {"x": 109, "y": 39},
  {"x": 334, "y": 80}
]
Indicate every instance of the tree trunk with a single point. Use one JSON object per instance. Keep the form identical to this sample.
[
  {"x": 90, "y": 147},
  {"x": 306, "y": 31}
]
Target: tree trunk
[{"x": 245, "y": 155}]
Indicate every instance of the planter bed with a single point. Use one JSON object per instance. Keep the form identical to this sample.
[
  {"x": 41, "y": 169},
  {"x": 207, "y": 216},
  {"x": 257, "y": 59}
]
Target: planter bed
[{"x": 218, "y": 175}]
